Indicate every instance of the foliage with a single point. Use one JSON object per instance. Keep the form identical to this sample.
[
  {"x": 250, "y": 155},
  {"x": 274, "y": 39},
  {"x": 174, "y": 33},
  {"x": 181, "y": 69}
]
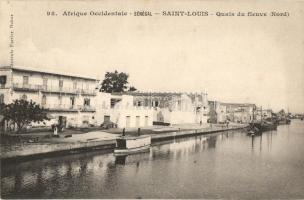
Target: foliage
[
  {"x": 22, "y": 112},
  {"x": 115, "y": 82},
  {"x": 132, "y": 89},
  {"x": 282, "y": 112}
]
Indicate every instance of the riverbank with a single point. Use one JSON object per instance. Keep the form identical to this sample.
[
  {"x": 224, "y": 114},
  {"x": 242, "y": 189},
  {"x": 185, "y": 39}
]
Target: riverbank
[{"x": 94, "y": 140}]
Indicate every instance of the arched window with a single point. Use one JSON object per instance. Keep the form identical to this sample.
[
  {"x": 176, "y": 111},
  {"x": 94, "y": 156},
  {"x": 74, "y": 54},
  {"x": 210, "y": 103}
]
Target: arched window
[
  {"x": 24, "y": 97},
  {"x": 43, "y": 100}
]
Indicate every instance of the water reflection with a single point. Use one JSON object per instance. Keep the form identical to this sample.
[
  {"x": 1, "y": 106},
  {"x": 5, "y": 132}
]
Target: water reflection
[
  {"x": 223, "y": 165},
  {"x": 257, "y": 141}
]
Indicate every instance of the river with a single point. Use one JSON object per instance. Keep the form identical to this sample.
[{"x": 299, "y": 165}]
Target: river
[{"x": 223, "y": 165}]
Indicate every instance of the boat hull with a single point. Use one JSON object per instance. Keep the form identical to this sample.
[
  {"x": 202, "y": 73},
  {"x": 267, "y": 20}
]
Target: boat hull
[
  {"x": 130, "y": 145},
  {"x": 259, "y": 127},
  {"x": 132, "y": 150}
]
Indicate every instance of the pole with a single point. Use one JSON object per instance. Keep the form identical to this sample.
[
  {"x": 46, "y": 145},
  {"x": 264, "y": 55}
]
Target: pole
[{"x": 261, "y": 113}]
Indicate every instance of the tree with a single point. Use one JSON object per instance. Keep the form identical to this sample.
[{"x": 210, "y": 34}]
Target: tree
[
  {"x": 282, "y": 113},
  {"x": 115, "y": 82},
  {"x": 132, "y": 89},
  {"x": 22, "y": 112}
]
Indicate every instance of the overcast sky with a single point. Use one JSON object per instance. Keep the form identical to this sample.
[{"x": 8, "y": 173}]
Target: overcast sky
[{"x": 236, "y": 59}]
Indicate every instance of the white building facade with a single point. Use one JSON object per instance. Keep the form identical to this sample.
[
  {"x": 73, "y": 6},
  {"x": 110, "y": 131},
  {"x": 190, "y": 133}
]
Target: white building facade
[
  {"x": 120, "y": 110},
  {"x": 70, "y": 96},
  {"x": 174, "y": 108}
]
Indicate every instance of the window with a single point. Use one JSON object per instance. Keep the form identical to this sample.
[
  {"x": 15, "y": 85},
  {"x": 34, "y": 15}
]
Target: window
[
  {"x": 2, "y": 81},
  {"x": 87, "y": 86},
  {"x": 155, "y": 103},
  {"x": 25, "y": 80},
  {"x": 86, "y": 102},
  {"x": 114, "y": 102},
  {"x": 43, "y": 100},
  {"x": 45, "y": 82},
  {"x": 72, "y": 101},
  {"x": 75, "y": 85},
  {"x": 60, "y": 84}
]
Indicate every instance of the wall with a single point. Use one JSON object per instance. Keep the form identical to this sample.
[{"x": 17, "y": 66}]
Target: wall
[
  {"x": 121, "y": 110},
  {"x": 181, "y": 117}
]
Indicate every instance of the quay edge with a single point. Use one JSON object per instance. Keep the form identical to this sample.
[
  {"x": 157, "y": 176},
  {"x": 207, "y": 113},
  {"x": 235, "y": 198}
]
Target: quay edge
[{"x": 53, "y": 150}]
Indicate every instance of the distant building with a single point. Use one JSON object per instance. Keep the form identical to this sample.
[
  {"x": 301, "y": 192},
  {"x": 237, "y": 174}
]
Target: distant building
[
  {"x": 174, "y": 108},
  {"x": 217, "y": 112},
  {"x": 264, "y": 114},
  {"x": 240, "y": 112},
  {"x": 120, "y": 109},
  {"x": 64, "y": 95}
]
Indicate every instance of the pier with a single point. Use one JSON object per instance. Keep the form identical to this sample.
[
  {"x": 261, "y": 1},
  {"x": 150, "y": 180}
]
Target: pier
[{"x": 98, "y": 140}]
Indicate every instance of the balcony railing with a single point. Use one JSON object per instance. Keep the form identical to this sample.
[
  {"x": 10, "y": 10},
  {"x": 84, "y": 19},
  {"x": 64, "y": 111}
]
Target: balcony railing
[
  {"x": 50, "y": 89},
  {"x": 67, "y": 107},
  {"x": 87, "y": 108},
  {"x": 28, "y": 87}
]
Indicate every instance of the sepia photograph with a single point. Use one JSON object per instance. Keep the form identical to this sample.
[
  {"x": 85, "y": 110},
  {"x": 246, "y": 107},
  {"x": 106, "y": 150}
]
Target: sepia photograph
[{"x": 151, "y": 99}]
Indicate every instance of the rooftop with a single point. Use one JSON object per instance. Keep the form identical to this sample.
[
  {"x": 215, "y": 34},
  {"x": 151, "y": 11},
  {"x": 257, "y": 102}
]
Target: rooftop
[
  {"x": 43, "y": 71},
  {"x": 239, "y": 104}
]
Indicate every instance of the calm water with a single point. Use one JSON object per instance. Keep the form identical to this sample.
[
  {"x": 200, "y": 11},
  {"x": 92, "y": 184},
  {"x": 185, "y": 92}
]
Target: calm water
[{"x": 225, "y": 165}]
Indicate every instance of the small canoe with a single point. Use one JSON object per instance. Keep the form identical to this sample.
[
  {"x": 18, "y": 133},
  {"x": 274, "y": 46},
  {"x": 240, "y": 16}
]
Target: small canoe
[{"x": 132, "y": 144}]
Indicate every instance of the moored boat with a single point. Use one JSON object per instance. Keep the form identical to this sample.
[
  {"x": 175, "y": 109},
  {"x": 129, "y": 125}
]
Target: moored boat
[
  {"x": 132, "y": 144},
  {"x": 261, "y": 126}
]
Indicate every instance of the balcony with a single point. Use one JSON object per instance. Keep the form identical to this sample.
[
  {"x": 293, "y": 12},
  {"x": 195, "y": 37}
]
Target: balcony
[
  {"x": 26, "y": 87},
  {"x": 68, "y": 108},
  {"x": 87, "y": 92},
  {"x": 60, "y": 108},
  {"x": 86, "y": 108},
  {"x": 49, "y": 89}
]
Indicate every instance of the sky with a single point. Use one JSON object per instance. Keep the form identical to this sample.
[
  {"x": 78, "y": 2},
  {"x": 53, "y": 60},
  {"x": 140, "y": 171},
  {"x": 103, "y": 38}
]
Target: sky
[{"x": 236, "y": 59}]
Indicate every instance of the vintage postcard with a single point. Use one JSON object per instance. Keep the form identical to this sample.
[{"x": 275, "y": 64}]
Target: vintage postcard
[{"x": 147, "y": 99}]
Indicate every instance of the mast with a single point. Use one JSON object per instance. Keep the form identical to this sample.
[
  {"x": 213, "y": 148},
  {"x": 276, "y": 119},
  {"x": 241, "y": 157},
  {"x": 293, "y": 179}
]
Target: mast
[{"x": 261, "y": 113}]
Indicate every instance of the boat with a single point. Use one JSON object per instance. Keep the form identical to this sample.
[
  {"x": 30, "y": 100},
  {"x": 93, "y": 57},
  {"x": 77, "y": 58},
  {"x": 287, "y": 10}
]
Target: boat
[
  {"x": 132, "y": 144},
  {"x": 261, "y": 126}
]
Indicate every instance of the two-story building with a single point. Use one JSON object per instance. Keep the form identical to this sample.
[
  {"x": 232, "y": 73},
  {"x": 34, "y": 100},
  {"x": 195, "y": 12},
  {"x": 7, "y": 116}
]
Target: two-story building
[{"x": 64, "y": 95}]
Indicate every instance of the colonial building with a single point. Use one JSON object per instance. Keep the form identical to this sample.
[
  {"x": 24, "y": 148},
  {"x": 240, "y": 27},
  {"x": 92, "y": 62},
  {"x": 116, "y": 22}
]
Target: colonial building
[
  {"x": 71, "y": 97},
  {"x": 240, "y": 112},
  {"x": 119, "y": 109},
  {"x": 174, "y": 108}
]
